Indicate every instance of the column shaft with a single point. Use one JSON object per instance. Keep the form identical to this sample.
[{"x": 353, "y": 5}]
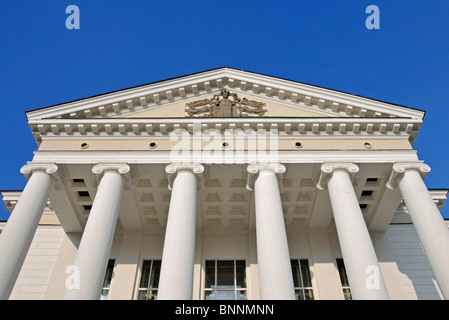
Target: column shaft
[
  {"x": 359, "y": 256},
  {"x": 176, "y": 278},
  {"x": 429, "y": 224},
  {"x": 19, "y": 231},
  {"x": 275, "y": 272},
  {"x": 94, "y": 249}
]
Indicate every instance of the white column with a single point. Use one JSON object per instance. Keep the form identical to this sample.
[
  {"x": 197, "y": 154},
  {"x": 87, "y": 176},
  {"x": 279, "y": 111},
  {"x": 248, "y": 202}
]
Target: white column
[
  {"x": 176, "y": 278},
  {"x": 275, "y": 272},
  {"x": 427, "y": 220},
  {"x": 93, "y": 252},
  {"x": 362, "y": 267},
  {"x": 16, "y": 237}
]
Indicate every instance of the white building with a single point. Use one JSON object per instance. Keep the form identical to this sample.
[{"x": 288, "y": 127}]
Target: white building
[{"x": 225, "y": 184}]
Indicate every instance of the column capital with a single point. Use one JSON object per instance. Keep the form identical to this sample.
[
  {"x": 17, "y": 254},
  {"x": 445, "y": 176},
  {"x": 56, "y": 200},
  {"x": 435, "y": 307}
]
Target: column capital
[
  {"x": 327, "y": 170},
  {"x": 400, "y": 168},
  {"x": 49, "y": 168},
  {"x": 254, "y": 170},
  {"x": 123, "y": 169},
  {"x": 172, "y": 170}
]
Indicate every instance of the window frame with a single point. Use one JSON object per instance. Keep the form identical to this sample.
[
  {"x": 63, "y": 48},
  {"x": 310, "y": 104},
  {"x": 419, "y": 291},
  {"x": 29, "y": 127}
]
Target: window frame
[
  {"x": 147, "y": 288},
  {"x": 303, "y": 288},
  {"x": 235, "y": 288},
  {"x": 109, "y": 273},
  {"x": 346, "y": 289}
]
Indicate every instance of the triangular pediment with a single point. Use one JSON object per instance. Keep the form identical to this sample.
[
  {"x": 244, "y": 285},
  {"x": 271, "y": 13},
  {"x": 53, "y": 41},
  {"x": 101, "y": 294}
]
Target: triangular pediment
[
  {"x": 168, "y": 98},
  {"x": 261, "y": 101}
]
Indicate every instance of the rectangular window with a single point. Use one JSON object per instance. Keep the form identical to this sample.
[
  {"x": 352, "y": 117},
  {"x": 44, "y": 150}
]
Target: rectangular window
[
  {"x": 107, "y": 280},
  {"x": 344, "y": 279},
  {"x": 225, "y": 280},
  {"x": 149, "y": 280},
  {"x": 302, "y": 280}
]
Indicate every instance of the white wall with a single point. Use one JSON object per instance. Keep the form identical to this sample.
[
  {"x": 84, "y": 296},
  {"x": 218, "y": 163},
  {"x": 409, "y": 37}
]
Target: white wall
[
  {"x": 403, "y": 262},
  {"x": 38, "y": 267},
  {"x": 416, "y": 277}
]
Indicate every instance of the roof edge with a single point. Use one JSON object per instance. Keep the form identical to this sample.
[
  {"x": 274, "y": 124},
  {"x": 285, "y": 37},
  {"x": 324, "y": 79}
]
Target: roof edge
[{"x": 224, "y": 68}]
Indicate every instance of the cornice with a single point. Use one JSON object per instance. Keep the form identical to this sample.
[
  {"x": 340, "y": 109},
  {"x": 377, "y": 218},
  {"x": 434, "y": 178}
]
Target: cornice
[
  {"x": 318, "y": 99},
  {"x": 139, "y": 127}
]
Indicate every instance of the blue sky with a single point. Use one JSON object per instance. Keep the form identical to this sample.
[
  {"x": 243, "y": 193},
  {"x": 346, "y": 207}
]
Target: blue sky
[{"x": 127, "y": 43}]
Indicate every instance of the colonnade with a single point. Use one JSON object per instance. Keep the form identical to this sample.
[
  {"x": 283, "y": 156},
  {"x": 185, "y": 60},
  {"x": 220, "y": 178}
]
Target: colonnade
[{"x": 275, "y": 275}]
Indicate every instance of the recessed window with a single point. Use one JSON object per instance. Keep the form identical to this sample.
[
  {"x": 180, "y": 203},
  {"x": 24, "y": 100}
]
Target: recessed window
[
  {"x": 344, "y": 279},
  {"x": 372, "y": 179},
  {"x": 84, "y": 145},
  {"x": 83, "y": 194},
  {"x": 225, "y": 280},
  {"x": 302, "y": 280},
  {"x": 77, "y": 182},
  {"x": 225, "y": 144},
  {"x": 149, "y": 280},
  {"x": 87, "y": 207},
  {"x": 367, "y": 145},
  {"x": 363, "y": 206},
  {"x": 107, "y": 280},
  {"x": 367, "y": 193}
]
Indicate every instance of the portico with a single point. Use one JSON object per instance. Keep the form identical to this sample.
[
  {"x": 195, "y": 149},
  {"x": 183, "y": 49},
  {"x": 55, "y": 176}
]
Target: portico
[{"x": 331, "y": 163}]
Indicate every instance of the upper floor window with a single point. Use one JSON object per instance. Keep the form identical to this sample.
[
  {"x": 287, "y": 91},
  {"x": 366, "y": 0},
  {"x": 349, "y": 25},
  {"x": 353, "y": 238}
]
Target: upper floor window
[
  {"x": 344, "y": 279},
  {"x": 225, "y": 280},
  {"x": 302, "y": 280},
  {"x": 149, "y": 280}
]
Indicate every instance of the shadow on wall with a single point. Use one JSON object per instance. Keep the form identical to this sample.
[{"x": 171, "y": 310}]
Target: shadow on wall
[{"x": 413, "y": 264}]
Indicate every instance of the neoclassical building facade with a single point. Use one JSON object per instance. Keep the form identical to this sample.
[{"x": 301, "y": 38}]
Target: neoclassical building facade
[{"x": 225, "y": 184}]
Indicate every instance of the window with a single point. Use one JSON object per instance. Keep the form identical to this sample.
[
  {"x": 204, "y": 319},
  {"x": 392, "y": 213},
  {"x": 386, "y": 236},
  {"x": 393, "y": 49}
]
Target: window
[
  {"x": 367, "y": 193},
  {"x": 302, "y": 280},
  {"x": 149, "y": 280},
  {"x": 78, "y": 183},
  {"x": 83, "y": 194},
  {"x": 344, "y": 279},
  {"x": 107, "y": 280},
  {"x": 225, "y": 280}
]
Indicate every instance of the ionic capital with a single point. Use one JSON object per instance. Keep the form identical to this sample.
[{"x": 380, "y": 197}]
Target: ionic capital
[
  {"x": 172, "y": 170},
  {"x": 401, "y": 167},
  {"x": 123, "y": 169},
  {"x": 49, "y": 168},
  {"x": 327, "y": 170},
  {"x": 254, "y": 170}
]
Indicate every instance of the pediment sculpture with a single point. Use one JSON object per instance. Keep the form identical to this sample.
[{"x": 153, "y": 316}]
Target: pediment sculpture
[{"x": 225, "y": 104}]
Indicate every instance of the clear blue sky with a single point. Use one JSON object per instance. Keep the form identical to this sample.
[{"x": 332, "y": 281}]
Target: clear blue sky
[{"x": 127, "y": 43}]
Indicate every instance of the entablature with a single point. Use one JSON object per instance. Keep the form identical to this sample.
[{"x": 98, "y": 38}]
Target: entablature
[{"x": 283, "y": 127}]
